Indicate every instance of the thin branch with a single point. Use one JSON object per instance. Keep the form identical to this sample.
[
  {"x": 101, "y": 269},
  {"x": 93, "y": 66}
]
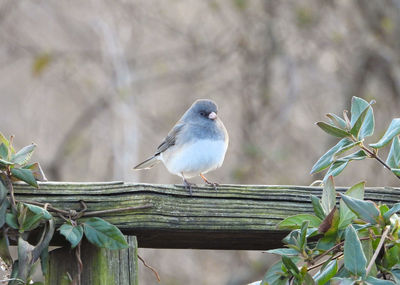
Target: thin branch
[
  {"x": 90, "y": 213},
  {"x": 149, "y": 267},
  {"x": 323, "y": 262},
  {"x": 374, "y": 155},
  {"x": 80, "y": 264},
  {"x": 335, "y": 247},
  {"x": 378, "y": 249},
  {"x": 12, "y": 197}
]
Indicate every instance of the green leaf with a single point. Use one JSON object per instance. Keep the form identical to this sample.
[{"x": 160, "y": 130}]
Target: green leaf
[
  {"x": 30, "y": 216},
  {"x": 395, "y": 272},
  {"x": 303, "y": 235},
  {"x": 37, "y": 171},
  {"x": 328, "y": 199},
  {"x": 44, "y": 260},
  {"x": 275, "y": 276},
  {"x": 344, "y": 149},
  {"x": 5, "y": 250},
  {"x": 5, "y": 162},
  {"x": 362, "y": 118},
  {"x": 332, "y": 130},
  {"x": 393, "y": 159},
  {"x": 103, "y": 234},
  {"x": 354, "y": 258},
  {"x": 361, "y": 111},
  {"x": 30, "y": 222},
  {"x": 358, "y": 155},
  {"x": 316, "y": 202},
  {"x": 295, "y": 222},
  {"x": 12, "y": 221},
  {"x": 72, "y": 233},
  {"x": 346, "y": 215},
  {"x": 393, "y": 210},
  {"x": 307, "y": 279},
  {"x": 6, "y": 142},
  {"x": 284, "y": 251},
  {"x": 365, "y": 210},
  {"x": 3, "y": 191},
  {"x": 290, "y": 265},
  {"x": 23, "y": 156},
  {"x": 392, "y": 130},
  {"x": 325, "y": 274},
  {"x": 326, "y": 242},
  {"x": 339, "y": 122},
  {"x": 327, "y": 159},
  {"x": 3, "y": 151},
  {"x": 375, "y": 281},
  {"x": 396, "y": 171},
  {"x": 392, "y": 256},
  {"x": 39, "y": 211},
  {"x": 342, "y": 281},
  {"x": 292, "y": 239},
  {"x": 3, "y": 209},
  {"x": 358, "y": 105},
  {"x": 357, "y": 125},
  {"x": 367, "y": 128},
  {"x": 336, "y": 168},
  {"x": 24, "y": 175}
]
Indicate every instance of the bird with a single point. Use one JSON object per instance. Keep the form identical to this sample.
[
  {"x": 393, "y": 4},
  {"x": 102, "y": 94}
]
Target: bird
[{"x": 195, "y": 145}]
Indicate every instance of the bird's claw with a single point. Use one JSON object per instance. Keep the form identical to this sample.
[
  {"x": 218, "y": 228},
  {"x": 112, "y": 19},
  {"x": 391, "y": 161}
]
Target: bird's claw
[
  {"x": 213, "y": 184},
  {"x": 188, "y": 186}
]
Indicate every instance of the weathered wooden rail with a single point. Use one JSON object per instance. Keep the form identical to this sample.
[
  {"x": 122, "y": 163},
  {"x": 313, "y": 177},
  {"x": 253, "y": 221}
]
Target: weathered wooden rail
[{"x": 233, "y": 217}]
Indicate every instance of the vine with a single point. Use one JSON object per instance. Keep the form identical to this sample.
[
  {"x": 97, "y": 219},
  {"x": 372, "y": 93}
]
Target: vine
[{"x": 22, "y": 222}]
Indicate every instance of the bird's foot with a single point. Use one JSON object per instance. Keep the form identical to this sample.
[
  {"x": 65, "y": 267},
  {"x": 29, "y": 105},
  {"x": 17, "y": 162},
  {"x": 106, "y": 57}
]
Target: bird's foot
[
  {"x": 188, "y": 186},
  {"x": 213, "y": 184}
]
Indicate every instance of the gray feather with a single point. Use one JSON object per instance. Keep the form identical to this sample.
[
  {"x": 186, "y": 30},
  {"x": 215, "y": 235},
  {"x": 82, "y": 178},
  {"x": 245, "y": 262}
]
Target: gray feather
[{"x": 148, "y": 163}]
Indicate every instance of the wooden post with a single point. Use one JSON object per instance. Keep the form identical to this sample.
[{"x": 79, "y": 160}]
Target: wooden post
[{"x": 100, "y": 266}]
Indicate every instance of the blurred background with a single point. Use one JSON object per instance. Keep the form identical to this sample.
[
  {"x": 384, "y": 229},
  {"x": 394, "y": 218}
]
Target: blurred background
[{"x": 98, "y": 84}]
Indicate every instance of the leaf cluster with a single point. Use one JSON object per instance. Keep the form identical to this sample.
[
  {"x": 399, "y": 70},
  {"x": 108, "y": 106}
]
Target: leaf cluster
[
  {"x": 23, "y": 222},
  {"x": 352, "y": 133},
  {"x": 337, "y": 243},
  {"x": 347, "y": 240}
]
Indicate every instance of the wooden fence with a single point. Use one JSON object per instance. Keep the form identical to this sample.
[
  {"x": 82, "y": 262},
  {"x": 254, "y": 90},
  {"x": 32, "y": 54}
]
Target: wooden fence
[{"x": 240, "y": 217}]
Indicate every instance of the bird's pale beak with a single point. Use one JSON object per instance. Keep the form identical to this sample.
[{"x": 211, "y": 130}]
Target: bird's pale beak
[{"x": 212, "y": 116}]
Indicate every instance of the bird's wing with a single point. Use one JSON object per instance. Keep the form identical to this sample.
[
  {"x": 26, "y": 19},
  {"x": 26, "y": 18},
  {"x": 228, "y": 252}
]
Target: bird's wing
[{"x": 170, "y": 139}]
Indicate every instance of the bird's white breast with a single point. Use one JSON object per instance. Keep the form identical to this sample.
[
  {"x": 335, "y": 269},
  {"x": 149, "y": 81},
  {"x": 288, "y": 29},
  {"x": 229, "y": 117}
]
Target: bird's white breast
[{"x": 194, "y": 158}]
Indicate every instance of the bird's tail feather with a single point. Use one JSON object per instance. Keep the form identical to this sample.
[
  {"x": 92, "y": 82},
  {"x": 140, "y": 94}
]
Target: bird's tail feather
[{"x": 148, "y": 163}]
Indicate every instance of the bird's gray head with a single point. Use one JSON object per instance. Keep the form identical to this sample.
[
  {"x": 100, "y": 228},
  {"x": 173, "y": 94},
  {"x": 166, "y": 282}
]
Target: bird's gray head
[{"x": 202, "y": 110}]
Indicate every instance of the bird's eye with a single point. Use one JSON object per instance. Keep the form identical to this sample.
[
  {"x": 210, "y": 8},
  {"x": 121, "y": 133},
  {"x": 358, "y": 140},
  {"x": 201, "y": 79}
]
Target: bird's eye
[{"x": 202, "y": 113}]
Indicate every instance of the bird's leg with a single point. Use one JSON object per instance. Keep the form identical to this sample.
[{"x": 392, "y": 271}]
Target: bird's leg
[
  {"x": 213, "y": 184},
  {"x": 188, "y": 185}
]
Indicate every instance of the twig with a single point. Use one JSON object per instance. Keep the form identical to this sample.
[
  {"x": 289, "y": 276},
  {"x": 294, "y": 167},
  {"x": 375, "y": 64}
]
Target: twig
[
  {"x": 49, "y": 207},
  {"x": 378, "y": 249},
  {"x": 80, "y": 264},
  {"x": 149, "y": 267},
  {"x": 374, "y": 155},
  {"x": 335, "y": 247},
  {"x": 323, "y": 262},
  {"x": 11, "y": 187},
  {"x": 90, "y": 213}
]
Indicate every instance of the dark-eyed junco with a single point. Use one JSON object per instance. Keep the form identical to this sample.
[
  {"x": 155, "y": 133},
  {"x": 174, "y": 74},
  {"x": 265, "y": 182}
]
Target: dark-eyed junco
[{"x": 195, "y": 145}]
